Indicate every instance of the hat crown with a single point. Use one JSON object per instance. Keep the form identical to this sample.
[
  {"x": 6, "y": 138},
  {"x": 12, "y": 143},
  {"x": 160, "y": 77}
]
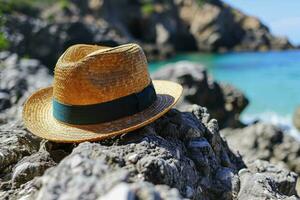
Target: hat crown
[{"x": 90, "y": 74}]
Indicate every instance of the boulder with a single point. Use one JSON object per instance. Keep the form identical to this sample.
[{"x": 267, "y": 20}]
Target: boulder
[
  {"x": 296, "y": 118},
  {"x": 19, "y": 77},
  {"x": 224, "y": 102},
  {"x": 265, "y": 142},
  {"x": 46, "y": 41},
  {"x": 15, "y": 144},
  {"x": 262, "y": 179},
  {"x": 181, "y": 155}
]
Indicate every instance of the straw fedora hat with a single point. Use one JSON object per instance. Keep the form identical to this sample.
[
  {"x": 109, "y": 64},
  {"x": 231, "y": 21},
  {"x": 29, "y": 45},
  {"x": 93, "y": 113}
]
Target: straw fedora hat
[{"x": 98, "y": 92}]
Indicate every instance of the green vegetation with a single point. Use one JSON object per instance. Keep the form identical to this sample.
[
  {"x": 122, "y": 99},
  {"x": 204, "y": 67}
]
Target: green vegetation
[
  {"x": 26, "y": 56},
  {"x": 4, "y": 43},
  {"x": 147, "y": 8},
  {"x": 29, "y": 7},
  {"x": 64, "y": 4},
  {"x": 201, "y": 2},
  {"x": 24, "y": 6}
]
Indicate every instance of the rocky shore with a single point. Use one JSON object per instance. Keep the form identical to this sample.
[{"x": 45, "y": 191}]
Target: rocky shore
[
  {"x": 265, "y": 142},
  {"x": 296, "y": 118},
  {"x": 223, "y": 101},
  {"x": 181, "y": 155},
  {"x": 198, "y": 150},
  {"x": 161, "y": 28}
]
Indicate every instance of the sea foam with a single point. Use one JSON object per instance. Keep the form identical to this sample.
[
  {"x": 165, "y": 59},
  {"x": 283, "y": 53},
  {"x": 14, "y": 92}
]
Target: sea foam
[{"x": 284, "y": 122}]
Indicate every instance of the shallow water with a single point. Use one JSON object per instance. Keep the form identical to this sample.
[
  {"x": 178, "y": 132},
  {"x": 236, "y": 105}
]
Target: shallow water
[{"x": 271, "y": 80}]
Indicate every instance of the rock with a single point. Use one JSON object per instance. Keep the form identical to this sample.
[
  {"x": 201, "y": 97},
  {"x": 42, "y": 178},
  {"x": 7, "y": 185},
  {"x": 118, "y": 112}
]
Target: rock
[
  {"x": 224, "y": 102},
  {"x": 265, "y": 181},
  {"x": 296, "y": 118},
  {"x": 30, "y": 167},
  {"x": 141, "y": 190},
  {"x": 15, "y": 144},
  {"x": 46, "y": 41},
  {"x": 181, "y": 155},
  {"x": 235, "y": 100},
  {"x": 158, "y": 52},
  {"x": 23, "y": 156},
  {"x": 186, "y": 25},
  {"x": 4, "y": 99},
  {"x": 266, "y": 142},
  {"x": 19, "y": 77},
  {"x": 180, "y": 162},
  {"x": 161, "y": 28},
  {"x": 217, "y": 26},
  {"x": 34, "y": 165}
]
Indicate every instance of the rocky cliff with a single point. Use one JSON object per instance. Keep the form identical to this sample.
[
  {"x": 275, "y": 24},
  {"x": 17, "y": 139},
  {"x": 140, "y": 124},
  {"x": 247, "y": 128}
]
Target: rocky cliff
[
  {"x": 217, "y": 26},
  {"x": 44, "y": 31}
]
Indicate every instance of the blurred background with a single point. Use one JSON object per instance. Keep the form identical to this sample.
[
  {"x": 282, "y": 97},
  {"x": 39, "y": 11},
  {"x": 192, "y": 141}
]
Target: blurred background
[{"x": 250, "y": 45}]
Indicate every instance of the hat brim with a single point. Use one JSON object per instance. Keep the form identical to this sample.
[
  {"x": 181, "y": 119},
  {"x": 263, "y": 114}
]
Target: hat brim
[{"x": 38, "y": 118}]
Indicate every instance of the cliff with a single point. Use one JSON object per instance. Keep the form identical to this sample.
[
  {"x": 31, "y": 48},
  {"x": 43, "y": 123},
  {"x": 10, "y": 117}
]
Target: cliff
[{"x": 44, "y": 31}]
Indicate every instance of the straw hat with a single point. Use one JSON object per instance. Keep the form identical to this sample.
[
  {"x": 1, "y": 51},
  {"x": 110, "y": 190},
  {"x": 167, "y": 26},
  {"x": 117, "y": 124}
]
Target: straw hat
[{"x": 98, "y": 92}]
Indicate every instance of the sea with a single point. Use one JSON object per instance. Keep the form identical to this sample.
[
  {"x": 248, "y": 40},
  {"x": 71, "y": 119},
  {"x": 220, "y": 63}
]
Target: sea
[{"x": 270, "y": 80}]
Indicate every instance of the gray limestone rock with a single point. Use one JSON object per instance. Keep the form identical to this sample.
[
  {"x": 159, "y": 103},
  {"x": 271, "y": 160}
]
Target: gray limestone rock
[
  {"x": 266, "y": 142},
  {"x": 31, "y": 166},
  {"x": 19, "y": 77},
  {"x": 177, "y": 150},
  {"x": 24, "y": 156},
  {"x": 181, "y": 155},
  {"x": 15, "y": 143},
  {"x": 262, "y": 180}
]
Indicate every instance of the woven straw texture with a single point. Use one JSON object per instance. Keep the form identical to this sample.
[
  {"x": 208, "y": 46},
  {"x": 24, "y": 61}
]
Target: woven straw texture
[
  {"x": 90, "y": 74},
  {"x": 95, "y": 74},
  {"x": 38, "y": 117}
]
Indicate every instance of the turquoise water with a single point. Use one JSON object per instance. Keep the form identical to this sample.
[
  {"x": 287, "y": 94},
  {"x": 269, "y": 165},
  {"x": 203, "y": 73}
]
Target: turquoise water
[{"x": 271, "y": 80}]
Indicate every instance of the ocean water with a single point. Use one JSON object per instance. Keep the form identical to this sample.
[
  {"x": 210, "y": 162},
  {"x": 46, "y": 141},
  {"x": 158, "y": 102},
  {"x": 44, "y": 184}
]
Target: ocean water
[{"x": 271, "y": 80}]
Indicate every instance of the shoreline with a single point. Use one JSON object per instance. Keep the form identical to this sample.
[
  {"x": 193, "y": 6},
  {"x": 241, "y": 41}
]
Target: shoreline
[
  {"x": 284, "y": 122},
  {"x": 270, "y": 80}
]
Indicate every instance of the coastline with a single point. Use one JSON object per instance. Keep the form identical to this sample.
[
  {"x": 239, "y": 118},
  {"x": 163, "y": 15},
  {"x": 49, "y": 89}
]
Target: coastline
[
  {"x": 269, "y": 79},
  {"x": 284, "y": 122},
  {"x": 219, "y": 142}
]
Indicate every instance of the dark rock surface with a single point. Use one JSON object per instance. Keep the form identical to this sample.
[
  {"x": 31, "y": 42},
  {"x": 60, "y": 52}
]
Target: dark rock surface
[
  {"x": 223, "y": 101},
  {"x": 180, "y": 155},
  {"x": 296, "y": 118},
  {"x": 266, "y": 142},
  {"x": 260, "y": 180},
  {"x": 46, "y": 40},
  {"x": 19, "y": 77},
  {"x": 24, "y": 156},
  {"x": 15, "y": 144}
]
